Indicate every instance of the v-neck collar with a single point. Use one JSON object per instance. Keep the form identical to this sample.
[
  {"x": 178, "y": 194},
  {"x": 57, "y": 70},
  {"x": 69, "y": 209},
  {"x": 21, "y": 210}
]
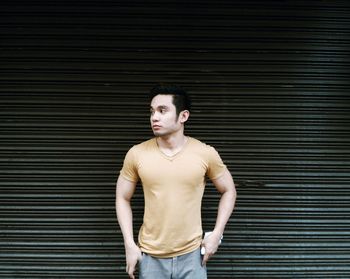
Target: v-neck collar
[{"x": 173, "y": 157}]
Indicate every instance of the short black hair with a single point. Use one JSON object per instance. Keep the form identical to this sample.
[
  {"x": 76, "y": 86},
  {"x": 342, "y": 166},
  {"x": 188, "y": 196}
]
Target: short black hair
[{"x": 181, "y": 99}]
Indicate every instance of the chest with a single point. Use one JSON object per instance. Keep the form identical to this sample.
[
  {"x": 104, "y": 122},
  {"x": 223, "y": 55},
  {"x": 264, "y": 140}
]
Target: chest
[{"x": 157, "y": 171}]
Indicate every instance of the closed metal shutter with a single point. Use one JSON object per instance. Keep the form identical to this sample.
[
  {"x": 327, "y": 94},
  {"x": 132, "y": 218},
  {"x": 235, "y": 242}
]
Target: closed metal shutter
[{"x": 270, "y": 85}]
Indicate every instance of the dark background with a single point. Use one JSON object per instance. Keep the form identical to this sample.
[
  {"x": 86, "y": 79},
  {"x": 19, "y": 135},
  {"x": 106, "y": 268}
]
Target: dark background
[{"x": 270, "y": 86}]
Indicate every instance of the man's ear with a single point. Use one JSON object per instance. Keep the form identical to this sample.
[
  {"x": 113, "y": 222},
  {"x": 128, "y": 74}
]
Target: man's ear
[{"x": 184, "y": 115}]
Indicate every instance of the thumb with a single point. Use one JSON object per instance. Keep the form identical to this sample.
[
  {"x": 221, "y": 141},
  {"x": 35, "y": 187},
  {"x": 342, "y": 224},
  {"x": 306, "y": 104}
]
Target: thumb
[
  {"x": 205, "y": 259},
  {"x": 130, "y": 271}
]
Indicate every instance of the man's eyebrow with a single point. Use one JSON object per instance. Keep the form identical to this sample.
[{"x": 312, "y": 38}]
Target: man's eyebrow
[{"x": 160, "y": 107}]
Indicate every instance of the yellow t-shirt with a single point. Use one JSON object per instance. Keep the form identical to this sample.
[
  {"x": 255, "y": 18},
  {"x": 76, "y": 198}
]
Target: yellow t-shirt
[{"x": 173, "y": 189}]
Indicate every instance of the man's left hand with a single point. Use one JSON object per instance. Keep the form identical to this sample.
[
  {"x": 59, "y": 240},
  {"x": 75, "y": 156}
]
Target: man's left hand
[{"x": 211, "y": 244}]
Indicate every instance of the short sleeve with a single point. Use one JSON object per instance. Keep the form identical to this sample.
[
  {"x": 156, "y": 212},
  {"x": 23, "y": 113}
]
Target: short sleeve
[
  {"x": 129, "y": 170},
  {"x": 216, "y": 167}
]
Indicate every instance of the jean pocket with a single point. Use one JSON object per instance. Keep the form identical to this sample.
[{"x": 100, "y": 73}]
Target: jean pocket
[{"x": 143, "y": 255}]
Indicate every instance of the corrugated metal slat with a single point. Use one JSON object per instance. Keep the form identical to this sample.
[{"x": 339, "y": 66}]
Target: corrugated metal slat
[{"x": 270, "y": 84}]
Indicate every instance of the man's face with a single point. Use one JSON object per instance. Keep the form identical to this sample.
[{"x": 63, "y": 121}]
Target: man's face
[{"x": 164, "y": 120}]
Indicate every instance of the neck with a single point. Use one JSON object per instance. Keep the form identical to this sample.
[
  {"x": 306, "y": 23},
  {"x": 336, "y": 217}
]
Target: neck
[{"x": 172, "y": 142}]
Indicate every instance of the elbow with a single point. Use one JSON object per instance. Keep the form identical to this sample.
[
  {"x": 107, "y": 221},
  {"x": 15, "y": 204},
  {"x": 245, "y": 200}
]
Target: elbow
[
  {"x": 234, "y": 189},
  {"x": 232, "y": 193}
]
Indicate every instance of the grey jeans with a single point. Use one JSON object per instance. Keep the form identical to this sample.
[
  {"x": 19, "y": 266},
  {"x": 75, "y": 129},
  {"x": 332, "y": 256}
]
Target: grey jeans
[{"x": 188, "y": 266}]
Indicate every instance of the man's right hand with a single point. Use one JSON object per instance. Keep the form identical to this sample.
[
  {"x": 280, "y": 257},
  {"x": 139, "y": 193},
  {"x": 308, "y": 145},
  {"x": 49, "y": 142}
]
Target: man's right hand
[{"x": 133, "y": 255}]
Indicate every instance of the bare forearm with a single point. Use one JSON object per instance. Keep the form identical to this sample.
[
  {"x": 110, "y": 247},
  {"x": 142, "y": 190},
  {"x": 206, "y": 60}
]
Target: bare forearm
[
  {"x": 124, "y": 193},
  {"x": 124, "y": 214},
  {"x": 226, "y": 206}
]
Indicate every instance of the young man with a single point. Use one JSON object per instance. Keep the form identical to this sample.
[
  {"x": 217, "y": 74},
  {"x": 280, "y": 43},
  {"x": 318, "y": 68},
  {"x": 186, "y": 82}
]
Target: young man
[{"x": 172, "y": 168}]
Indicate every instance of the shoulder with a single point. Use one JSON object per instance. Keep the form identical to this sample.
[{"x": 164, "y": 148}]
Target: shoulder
[
  {"x": 205, "y": 151},
  {"x": 201, "y": 146},
  {"x": 138, "y": 151},
  {"x": 143, "y": 146}
]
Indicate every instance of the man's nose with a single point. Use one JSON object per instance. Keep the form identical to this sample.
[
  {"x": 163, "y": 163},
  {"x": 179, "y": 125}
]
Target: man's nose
[{"x": 155, "y": 116}]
